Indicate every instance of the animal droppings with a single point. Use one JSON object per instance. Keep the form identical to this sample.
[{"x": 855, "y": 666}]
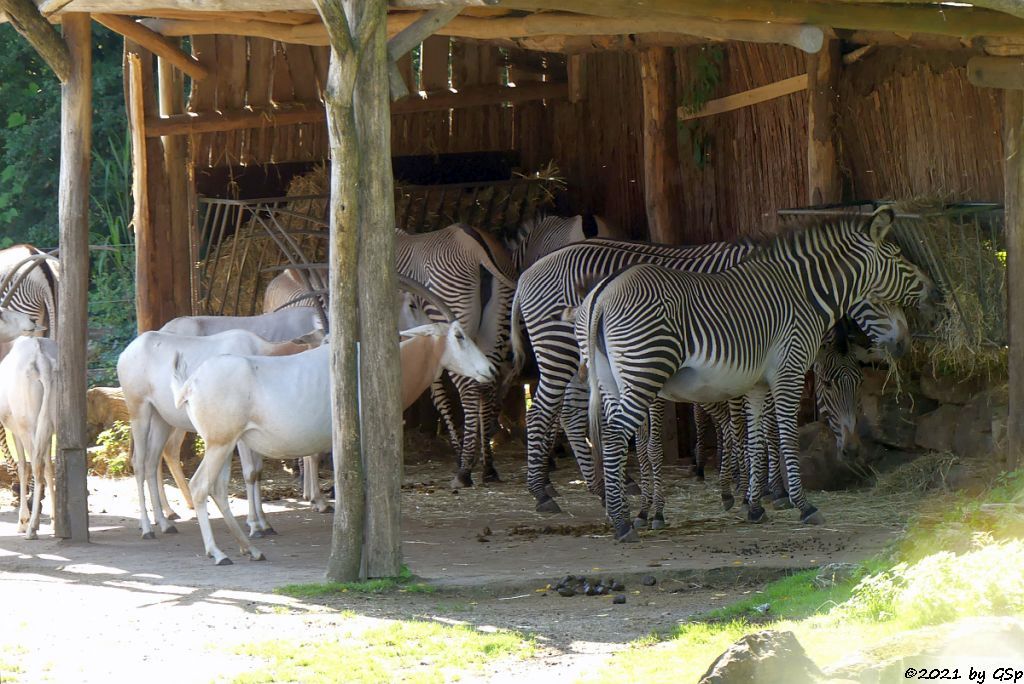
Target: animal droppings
[
  {"x": 566, "y": 591},
  {"x": 648, "y": 580},
  {"x": 619, "y": 599}
]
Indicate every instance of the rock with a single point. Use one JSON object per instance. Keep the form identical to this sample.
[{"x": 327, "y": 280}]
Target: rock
[
  {"x": 969, "y": 639},
  {"x": 821, "y": 467},
  {"x": 767, "y": 656},
  {"x": 948, "y": 390},
  {"x": 834, "y": 573},
  {"x": 648, "y": 580},
  {"x": 974, "y": 437},
  {"x": 566, "y": 591},
  {"x": 892, "y": 419},
  {"x": 935, "y": 430},
  {"x": 103, "y": 406}
]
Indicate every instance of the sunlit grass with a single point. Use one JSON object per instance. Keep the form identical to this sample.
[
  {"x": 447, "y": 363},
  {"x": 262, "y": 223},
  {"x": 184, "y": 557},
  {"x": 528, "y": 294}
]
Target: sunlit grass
[
  {"x": 406, "y": 651},
  {"x": 967, "y": 561},
  {"x": 403, "y": 582},
  {"x": 10, "y": 667}
]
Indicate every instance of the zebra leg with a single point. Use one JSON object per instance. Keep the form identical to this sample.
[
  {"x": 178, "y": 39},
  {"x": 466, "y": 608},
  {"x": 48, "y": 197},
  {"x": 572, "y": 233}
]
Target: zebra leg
[
  {"x": 786, "y": 393},
  {"x": 776, "y": 487},
  {"x": 738, "y": 461},
  {"x": 472, "y": 431},
  {"x": 443, "y": 404},
  {"x": 540, "y": 422},
  {"x": 718, "y": 414},
  {"x": 643, "y": 444},
  {"x": 490, "y": 409},
  {"x": 656, "y": 456},
  {"x": 755, "y": 401},
  {"x": 574, "y": 422},
  {"x": 614, "y": 440},
  {"x": 701, "y": 422}
]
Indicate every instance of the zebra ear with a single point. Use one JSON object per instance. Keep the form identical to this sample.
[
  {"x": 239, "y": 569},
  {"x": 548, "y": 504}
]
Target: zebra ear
[{"x": 881, "y": 223}]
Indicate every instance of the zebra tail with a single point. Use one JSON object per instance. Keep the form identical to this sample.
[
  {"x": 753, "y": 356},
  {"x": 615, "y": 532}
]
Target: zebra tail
[
  {"x": 594, "y": 407},
  {"x": 516, "y": 334}
]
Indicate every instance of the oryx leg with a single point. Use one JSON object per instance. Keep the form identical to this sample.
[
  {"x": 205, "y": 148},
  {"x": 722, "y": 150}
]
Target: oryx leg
[{"x": 252, "y": 472}]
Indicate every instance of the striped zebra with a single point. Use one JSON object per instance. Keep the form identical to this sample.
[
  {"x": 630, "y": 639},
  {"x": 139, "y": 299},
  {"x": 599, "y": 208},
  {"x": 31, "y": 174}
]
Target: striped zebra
[
  {"x": 470, "y": 273},
  {"x": 750, "y": 331},
  {"x": 558, "y": 282},
  {"x": 541, "y": 236}
]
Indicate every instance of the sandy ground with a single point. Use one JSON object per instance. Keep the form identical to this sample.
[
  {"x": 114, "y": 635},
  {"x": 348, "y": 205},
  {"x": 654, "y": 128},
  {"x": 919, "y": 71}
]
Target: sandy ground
[{"x": 121, "y": 606}]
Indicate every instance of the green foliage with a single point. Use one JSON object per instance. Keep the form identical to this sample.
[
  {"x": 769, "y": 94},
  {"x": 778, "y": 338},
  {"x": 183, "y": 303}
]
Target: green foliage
[
  {"x": 403, "y": 582},
  {"x": 113, "y": 457},
  {"x": 409, "y": 651},
  {"x": 699, "y": 87}
]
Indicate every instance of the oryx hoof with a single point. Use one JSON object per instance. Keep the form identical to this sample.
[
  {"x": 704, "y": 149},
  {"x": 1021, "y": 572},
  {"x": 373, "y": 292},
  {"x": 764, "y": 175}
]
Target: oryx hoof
[
  {"x": 173, "y": 516},
  {"x": 782, "y": 503},
  {"x": 548, "y": 505},
  {"x": 225, "y": 561},
  {"x": 491, "y": 476},
  {"x": 257, "y": 556},
  {"x": 757, "y": 515},
  {"x": 550, "y": 490},
  {"x": 625, "y": 534},
  {"x": 658, "y": 522},
  {"x": 171, "y": 529},
  {"x": 812, "y": 516},
  {"x": 326, "y": 508},
  {"x": 256, "y": 534},
  {"x": 633, "y": 489},
  {"x": 149, "y": 535},
  {"x": 32, "y": 534},
  {"x": 269, "y": 531},
  {"x": 640, "y": 522},
  {"x": 728, "y": 501}
]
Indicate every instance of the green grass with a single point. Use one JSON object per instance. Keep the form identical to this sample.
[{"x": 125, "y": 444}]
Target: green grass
[
  {"x": 403, "y": 582},
  {"x": 10, "y": 668},
  {"x": 966, "y": 561},
  {"x": 407, "y": 651}
]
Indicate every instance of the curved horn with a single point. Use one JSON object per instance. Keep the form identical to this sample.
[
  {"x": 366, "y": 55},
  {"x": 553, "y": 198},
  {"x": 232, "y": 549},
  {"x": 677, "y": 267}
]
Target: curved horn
[
  {"x": 34, "y": 261},
  {"x": 413, "y": 287},
  {"x": 302, "y": 297}
]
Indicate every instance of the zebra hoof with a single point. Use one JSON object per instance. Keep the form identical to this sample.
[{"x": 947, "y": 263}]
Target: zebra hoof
[
  {"x": 149, "y": 535},
  {"x": 625, "y": 534},
  {"x": 225, "y": 561},
  {"x": 462, "y": 480},
  {"x": 757, "y": 516},
  {"x": 728, "y": 501},
  {"x": 491, "y": 476},
  {"x": 812, "y": 516},
  {"x": 640, "y": 523},
  {"x": 550, "y": 490},
  {"x": 633, "y": 489},
  {"x": 782, "y": 503},
  {"x": 658, "y": 523},
  {"x": 548, "y": 505},
  {"x": 699, "y": 473}
]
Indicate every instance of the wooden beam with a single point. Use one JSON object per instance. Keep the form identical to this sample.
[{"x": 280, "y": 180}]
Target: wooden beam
[
  {"x": 661, "y": 151},
  {"x": 179, "y": 188},
  {"x": 27, "y": 20},
  {"x": 786, "y": 86},
  {"x": 824, "y": 180},
  {"x": 576, "y": 67},
  {"x": 1013, "y": 154},
  {"x": 480, "y": 96},
  {"x": 411, "y": 36},
  {"x": 73, "y": 290},
  {"x": 1012, "y": 7},
  {"x": 160, "y": 46},
  {"x": 996, "y": 72},
  {"x": 945, "y": 20},
  {"x": 807, "y": 38}
]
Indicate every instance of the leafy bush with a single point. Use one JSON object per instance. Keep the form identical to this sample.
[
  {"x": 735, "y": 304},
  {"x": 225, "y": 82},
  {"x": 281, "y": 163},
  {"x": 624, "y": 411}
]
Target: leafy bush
[{"x": 113, "y": 453}]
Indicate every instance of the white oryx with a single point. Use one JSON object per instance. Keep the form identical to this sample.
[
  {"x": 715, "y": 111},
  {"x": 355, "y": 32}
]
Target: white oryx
[
  {"x": 144, "y": 370},
  {"x": 281, "y": 407},
  {"x": 14, "y": 324},
  {"x": 27, "y": 410}
]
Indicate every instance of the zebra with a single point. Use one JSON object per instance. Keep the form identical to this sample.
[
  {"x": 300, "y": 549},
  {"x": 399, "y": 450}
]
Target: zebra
[
  {"x": 750, "y": 331},
  {"x": 545, "y": 234},
  {"x": 558, "y": 282},
  {"x": 468, "y": 270}
]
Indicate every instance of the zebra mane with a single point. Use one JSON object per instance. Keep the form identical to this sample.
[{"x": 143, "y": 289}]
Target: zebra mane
[
  {"x": 525, "y": 228},
  {"x": 796, "y": 232}
]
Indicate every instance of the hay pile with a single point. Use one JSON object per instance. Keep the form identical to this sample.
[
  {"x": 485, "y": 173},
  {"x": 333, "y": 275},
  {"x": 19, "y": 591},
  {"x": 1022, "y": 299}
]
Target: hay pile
[{"x": 923, "y": 474}]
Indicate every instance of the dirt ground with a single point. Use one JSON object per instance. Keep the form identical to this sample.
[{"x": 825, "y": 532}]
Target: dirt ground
[{"x": 121, "y": 605}]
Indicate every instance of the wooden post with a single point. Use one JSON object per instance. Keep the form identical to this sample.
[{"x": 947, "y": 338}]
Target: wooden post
[
  {"x": 75, "y": 149},
  {"x": 824, "y": 180},
  {"x": 1013, "y": 139},
  {"x": 365, "y": 389},
  {"x": 154, "y": 271}
]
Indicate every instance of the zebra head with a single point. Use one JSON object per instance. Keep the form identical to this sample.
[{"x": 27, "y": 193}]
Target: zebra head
[
  {"x": 885, "y": 324},
  {"x": 890, "y": 277},
  {"x": 837, "y": 381}
]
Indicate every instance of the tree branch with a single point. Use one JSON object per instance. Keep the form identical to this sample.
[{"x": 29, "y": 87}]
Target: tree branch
[{"x": 26, "y": 20}]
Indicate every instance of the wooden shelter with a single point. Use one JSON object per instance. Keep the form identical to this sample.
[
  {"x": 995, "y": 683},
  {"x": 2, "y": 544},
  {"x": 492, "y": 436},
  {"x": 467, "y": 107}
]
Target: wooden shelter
[{"x": 683, "y": 120}]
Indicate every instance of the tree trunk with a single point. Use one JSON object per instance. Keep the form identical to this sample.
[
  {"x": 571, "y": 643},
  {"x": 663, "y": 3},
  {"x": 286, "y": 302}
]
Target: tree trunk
[
  {"x": 75, "y": 146},
  {"x": 824, "y": 181}
]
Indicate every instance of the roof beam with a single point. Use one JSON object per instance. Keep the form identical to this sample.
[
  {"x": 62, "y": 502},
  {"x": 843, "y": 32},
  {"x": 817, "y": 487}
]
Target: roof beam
[
  {"x": 411, "y": 36},
  {"x": 155, "y": 43},
  {"x": 27, "y": 20}
]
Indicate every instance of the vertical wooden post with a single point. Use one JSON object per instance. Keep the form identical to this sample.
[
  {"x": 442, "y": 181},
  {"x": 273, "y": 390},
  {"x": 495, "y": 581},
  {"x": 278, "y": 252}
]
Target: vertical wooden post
[
  {"x": 179, "y": 189},
  {"x": 824, "y": 180},
  {"x": 75, "y": 150},
  {"x": 662, "y": 176},
  {"x": 366, "y": 379},
  {"x": 661, "y": 149},
  {"x": 1013, "y": 141}
]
